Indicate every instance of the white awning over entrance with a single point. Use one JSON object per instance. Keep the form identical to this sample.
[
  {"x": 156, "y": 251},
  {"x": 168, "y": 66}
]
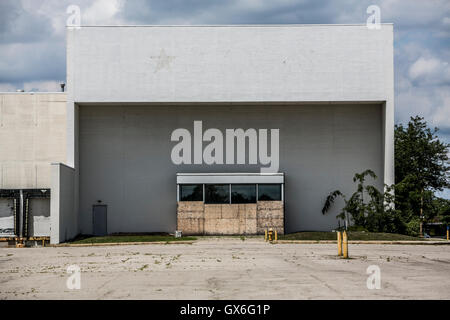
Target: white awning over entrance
[{"x": 233, "y": 178}]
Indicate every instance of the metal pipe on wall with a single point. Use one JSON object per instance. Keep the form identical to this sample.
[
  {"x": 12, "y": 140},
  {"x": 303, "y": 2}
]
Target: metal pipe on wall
[{"x": 21, "y": 215}]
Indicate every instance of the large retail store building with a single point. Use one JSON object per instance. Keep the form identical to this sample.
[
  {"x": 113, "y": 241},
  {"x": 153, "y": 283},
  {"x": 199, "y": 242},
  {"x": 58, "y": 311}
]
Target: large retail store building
[{"x": 206, "y": 129}]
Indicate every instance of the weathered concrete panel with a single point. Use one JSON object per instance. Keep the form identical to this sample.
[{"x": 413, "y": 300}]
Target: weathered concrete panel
[
  {"x": 213, "y": 211},
  {"x": 248, "y": 210},
  {"x": 191, "y": 226},
  {"x": 196, "y": 218},
  {"x": 270, "y": 215},
  {"x": 190, "y": 217},
  {"x": 230, "y": 211},
  {"x": 230, "y": 63},
  {"x": 190, "y": 210},
  {"x": 32, "y": 135},
  {"x": 251, "y": 226},
  {"x": 212, "y": 226}
]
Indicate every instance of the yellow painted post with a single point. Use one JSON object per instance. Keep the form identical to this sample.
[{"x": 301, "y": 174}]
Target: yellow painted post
[
  {"x": 19, "y": 243},
  {"x": 339, "y": 243},
  {"x": 276, "y": 235},
  {"x": 448, "y": 233},
  {"x": 265, "y": 234},
  {"x": 345, "y": 245}
]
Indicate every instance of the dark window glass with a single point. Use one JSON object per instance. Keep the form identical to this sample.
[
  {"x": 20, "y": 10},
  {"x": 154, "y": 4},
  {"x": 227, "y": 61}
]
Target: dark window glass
[
  {"x": 243, "y": 193},
  {"x": 217, "y": 193},
  {"x": 269, "y": 192},
  {"x": 191, "y": 192}
]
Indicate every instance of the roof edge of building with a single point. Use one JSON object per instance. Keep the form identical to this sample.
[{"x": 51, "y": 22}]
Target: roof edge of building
[{"x": 228, "y": 25}]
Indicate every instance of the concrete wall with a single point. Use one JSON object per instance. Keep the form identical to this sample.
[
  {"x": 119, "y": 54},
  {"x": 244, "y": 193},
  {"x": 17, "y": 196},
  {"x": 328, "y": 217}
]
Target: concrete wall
[
  {"x": 32, "y": 135},
  {"x": 39, "y": 217},
  {"x": 230, "y": 63},
  {"x": 270, "y": 214},
  {"x": 125, "y": 158},
  {"x": 268, "y": 63},
  {"x": 197, "y": 218},
  {"x": 63, "y": 214}
]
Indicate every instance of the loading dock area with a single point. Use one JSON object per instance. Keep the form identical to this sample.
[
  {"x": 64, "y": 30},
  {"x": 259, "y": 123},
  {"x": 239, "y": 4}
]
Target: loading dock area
[{"x": 24, "y": 216}]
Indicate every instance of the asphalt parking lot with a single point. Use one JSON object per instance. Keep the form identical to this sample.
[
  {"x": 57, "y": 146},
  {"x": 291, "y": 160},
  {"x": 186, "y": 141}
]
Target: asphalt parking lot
[{"x": 225, "y": 268}]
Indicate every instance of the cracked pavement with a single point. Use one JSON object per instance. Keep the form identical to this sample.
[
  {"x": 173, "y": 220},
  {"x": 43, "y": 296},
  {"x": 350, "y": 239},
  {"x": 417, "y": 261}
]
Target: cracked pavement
[{"x": 226, "y": 268}]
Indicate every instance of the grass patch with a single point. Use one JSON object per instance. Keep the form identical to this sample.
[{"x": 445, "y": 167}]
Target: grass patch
[
  {"x": 352, "y": 235},
  {"x": 131, "y": 238}
]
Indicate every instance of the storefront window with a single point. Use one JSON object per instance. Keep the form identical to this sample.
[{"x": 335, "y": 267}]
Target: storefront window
[
  {"x": 217, "y": 193},
  {"x": 191, "y": 192},
  {"x": 243, "y": 193},
  {"x": 269, "y": 192}
]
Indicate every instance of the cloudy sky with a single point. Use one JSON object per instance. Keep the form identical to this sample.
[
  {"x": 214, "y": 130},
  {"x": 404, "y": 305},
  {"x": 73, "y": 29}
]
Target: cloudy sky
[{"x": 32, "y": 38}]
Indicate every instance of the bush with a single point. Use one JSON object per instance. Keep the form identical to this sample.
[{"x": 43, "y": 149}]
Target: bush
[
  {"x": 413, "y": 227},
  {"x": 357, "y": 229}
]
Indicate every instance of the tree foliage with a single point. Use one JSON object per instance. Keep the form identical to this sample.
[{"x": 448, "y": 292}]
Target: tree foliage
[
  {"x": 421, "y": 168},
  {"x": 367, "y": 207}
]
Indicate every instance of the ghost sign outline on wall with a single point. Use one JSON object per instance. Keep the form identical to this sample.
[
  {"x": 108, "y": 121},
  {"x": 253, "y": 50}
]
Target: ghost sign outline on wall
[{"x": 163, "y": 60}]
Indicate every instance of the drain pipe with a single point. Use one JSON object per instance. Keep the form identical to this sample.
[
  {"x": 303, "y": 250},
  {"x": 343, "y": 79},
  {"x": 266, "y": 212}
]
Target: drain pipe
[
  {"x": 16, "y": 229},
  {"x": 21, "y": 215}
]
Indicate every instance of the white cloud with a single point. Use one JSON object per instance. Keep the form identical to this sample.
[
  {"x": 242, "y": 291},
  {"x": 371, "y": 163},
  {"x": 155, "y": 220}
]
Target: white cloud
[
  {"x": 441, "y": 114},
  {"x": 423, "y": 67},
  {"x": 446, "y": 21},
  {"x": 101, "y": 12},
  {"x": 430, "y": 71}
]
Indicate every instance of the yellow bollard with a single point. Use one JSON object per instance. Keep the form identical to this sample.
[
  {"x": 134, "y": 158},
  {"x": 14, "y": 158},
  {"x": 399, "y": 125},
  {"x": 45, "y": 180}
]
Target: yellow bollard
[
  {"x": 339, "y": 243},
  {"x": 345, "y": 245},
  {"x": 448, "y": 234},
  {"x": 276, "y": 235},
  {"x": 265, "y": 234}
]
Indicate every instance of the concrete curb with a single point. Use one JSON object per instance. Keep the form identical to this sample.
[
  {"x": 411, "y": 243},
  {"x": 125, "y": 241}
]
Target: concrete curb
[
  {"x": 443, "y": 242},
  {"x": 117, "y": 244}
]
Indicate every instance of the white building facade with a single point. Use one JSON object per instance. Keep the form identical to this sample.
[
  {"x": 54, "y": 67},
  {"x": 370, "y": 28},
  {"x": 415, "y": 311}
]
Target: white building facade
[{"x": 316, "y": 99}]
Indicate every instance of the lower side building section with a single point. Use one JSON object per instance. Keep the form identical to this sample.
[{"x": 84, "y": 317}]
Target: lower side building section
[{"x": 24, "y": 213}]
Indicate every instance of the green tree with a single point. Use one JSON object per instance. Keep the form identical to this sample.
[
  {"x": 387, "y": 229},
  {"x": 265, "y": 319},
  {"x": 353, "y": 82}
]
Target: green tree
[
  {"x": 421, "y": 168},
  {"x": 367, "y": 206},
  {"x": 442, "y": 207}
]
